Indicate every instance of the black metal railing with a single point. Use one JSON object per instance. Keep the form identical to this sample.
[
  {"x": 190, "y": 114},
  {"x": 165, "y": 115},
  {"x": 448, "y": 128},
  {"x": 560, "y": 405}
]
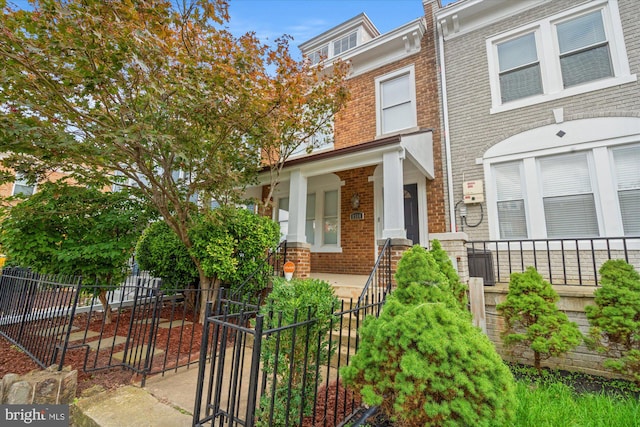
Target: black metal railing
[
  {"x": 260, "y": 278},
  {"x": 35, "y": 311},
  {"x": 236, "y": 389},
  {"x": 559, "y": 261},
  {"x": 379, "y": 282},
  {"x": 57, "y": 320}
]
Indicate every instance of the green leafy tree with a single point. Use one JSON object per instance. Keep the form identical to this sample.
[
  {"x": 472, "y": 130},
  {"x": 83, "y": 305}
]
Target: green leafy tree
[
  {"x": 615, "y": 319},
  {"x": 532, "y": 319},
  {"x": 155, "y": 94},
  {"x": 423, "y": 362},
  {"x": 292, "y": 356},
  {"x": 65, "y": 229}
]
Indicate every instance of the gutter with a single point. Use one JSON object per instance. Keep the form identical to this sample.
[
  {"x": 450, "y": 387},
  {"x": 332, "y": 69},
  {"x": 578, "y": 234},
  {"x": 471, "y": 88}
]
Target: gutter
[{"x": 447, "y": 139}]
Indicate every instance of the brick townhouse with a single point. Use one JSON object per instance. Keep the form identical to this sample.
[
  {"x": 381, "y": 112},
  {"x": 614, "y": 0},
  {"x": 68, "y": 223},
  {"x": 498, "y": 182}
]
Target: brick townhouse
[{"x": 381, "y": 175}]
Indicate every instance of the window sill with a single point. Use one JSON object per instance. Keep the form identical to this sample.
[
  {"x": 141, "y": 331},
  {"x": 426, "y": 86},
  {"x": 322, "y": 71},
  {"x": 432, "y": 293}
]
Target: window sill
[
  {"x": 326, "y": 249},
  {"x": 576, "y": 90}
]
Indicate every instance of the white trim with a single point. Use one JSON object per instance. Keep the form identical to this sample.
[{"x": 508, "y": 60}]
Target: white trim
[
  {"x": 379, "y": 81},
  {"x": 549, "y": 56},
  {"x": 15, "y": 181},
  {"x": 596, "y": 137}
]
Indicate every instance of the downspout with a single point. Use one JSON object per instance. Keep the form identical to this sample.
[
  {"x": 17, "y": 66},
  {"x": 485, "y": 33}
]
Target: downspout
[{"x": 445, "y": 118}]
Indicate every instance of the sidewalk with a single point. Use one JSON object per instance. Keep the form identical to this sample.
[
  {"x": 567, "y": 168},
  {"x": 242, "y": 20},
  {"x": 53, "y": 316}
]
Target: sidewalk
[{"x": 165, "y": 401}]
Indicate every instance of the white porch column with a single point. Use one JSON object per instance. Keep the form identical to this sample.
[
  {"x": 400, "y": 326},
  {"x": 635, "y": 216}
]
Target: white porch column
[
  {"x": 393, "y": 190},
  {"x": 297, "y": 207}
]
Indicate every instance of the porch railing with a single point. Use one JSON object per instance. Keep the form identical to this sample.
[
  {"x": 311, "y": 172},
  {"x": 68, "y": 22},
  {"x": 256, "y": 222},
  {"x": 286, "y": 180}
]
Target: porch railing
[
  {"x": 379, "y": 282},
  {"x": 559, "y": 261}
]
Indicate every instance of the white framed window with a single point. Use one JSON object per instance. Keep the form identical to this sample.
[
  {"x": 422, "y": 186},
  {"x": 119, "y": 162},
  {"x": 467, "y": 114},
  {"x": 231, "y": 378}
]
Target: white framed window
[
  {"x": 321, "y": 141},
  {"x": 21, "y": 186},
  {"x": 396, "y": 101},
  {"x": 345, "y": 43},
  {"x": 282, "y": 216},
  {"x": 573, "y": 52},
  {"x": 627, "y": 169},
  {"x": 322, "y": 218},
  {"x": 510, "y": 200},
  {"x": 319, "y": 55},
  {"x": 568, "y": 197}
]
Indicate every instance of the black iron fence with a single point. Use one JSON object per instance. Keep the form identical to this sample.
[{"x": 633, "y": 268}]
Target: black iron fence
[
  {"x": 58, "y": 320},
  {"x": 379, "y": 282},
  {"x": 35, "y": 311},
  {"x": 559, "y": 261},
  {"x": 264, "y": 372}
]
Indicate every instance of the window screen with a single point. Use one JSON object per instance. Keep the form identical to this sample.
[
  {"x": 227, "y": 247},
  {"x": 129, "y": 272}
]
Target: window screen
[
  {"x": 627, "y": 167},
  {"x": 519, "y": 68},
  {"x": 512, "y": 219}
]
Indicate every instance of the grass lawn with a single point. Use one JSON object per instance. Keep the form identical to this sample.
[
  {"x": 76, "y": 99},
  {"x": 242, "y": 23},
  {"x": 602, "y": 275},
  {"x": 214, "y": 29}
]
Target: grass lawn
[{"x": 553, "y": 403}]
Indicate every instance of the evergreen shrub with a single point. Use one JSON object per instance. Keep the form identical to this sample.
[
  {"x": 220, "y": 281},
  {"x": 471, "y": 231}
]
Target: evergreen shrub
[
  {"x": 615, "y": 319},
  {"x": 532, "y": 319},
  {"x": 423, "y": 362}
]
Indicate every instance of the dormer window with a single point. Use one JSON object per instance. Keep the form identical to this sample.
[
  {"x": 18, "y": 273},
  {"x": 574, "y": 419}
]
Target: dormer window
[
  {"x": 319, "y": 55},
  {"x": 345, "y": 43}
]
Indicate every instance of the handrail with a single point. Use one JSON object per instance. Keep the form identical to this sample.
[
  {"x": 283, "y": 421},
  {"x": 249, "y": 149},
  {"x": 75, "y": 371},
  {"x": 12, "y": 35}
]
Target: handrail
[
  {"x": 281, "y": 248},
  {"x": 373, "y": 285}
]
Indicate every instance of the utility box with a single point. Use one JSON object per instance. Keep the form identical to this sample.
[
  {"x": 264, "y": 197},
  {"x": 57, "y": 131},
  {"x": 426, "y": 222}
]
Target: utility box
[{"x": 473, "y": 191}]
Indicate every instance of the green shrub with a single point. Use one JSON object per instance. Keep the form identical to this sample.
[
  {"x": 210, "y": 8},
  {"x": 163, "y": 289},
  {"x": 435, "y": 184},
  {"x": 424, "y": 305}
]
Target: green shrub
[
  {"x": 419, "y": 279},
  {"x": 457, "y": 288},
  {"x": 232, "y": 244},
  {"x": 160, "y": 252},
  {"x": 423, "y": 362},
  {"x": 615, "y": 319},
  {"x": 290, "y": 358},
  {"x": 532, "y": 319}
]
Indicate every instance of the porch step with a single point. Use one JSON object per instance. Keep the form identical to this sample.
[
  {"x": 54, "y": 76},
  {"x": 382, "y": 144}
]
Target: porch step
[{"x": 348, "y": 287}]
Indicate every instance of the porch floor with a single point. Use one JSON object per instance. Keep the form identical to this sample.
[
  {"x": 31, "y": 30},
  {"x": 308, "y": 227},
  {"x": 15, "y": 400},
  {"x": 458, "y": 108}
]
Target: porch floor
[{"x": 347, "y": 286}]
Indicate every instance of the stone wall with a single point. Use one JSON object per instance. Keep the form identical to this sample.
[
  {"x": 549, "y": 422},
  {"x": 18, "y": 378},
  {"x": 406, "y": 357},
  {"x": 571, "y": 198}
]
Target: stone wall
[{"x": 48, "y": 386}]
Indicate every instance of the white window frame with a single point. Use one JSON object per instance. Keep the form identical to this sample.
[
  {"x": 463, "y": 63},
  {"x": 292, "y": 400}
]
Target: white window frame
[
  {"x": 603, "y": 185},
  {"x": 19, "y": 180},
  {"x": 549, "y": 56},
  {"x": 327, "y": 141},
  {"x": 339, "y": 40},
  {"x": 379, "y": 81},
  {"x": 319, "y": 190},
  {"x": 321, "y": 54}
]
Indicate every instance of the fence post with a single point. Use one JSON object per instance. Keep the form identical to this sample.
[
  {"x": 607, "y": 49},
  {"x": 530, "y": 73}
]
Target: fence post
[
  {"x": 72, "y": 315},
  {"x": 202, "y": 364},
  {"x": 476, "y": 300},
  {"x": 157, "y": 301},
  {"x": 255, "y": 366}
]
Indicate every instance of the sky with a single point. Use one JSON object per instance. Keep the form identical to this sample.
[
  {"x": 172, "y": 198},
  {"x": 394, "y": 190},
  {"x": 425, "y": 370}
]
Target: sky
[{"x": 305, "y": 19}]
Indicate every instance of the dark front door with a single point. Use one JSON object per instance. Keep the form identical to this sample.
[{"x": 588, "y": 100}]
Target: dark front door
[{"x": 411, "y": 222}]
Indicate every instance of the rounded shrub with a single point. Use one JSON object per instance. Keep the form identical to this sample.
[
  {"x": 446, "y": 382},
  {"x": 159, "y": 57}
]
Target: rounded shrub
[
  {"x": 425, "y": 364},
  {"x": 162, "y": 254}
]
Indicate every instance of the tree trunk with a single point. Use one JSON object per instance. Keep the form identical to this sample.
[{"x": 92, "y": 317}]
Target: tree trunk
[
  {"x": 209, "y": 288},
  {"x": 536, "y": 360},
  {"x": 102, "y": 296}
]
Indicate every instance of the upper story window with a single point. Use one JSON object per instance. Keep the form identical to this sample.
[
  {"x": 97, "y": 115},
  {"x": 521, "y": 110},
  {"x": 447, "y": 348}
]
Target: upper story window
[
  {"x": 519, "y": 68},
  {"x": 584, "y": 49},
  {"x": 345, "y": 43},
  {"x": 396, "y": 101},
  {"x": 319, "y": 55},
  {"x": 21, "y": 186},
  {"x": 574, "y": 52}
]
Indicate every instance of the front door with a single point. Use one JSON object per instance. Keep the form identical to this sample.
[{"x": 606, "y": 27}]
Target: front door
[{"x": 411, "y": 222}]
